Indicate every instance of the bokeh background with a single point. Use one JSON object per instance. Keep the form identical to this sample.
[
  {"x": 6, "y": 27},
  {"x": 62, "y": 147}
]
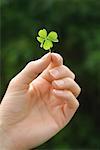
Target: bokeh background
[{"x": 78, "y": 24}]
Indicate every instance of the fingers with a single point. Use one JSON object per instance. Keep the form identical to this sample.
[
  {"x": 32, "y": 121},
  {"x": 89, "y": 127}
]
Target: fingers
[
  {"x": 32, "y": 69},
  {"x": 69, "y": 104},
  {"x": 64, "y": 86},
  {"x": 56, "y": 60},
  {"x": 68, "y": 97},
  {"x": 68, "y": 84},
  {"x": 61, "y": 72}
]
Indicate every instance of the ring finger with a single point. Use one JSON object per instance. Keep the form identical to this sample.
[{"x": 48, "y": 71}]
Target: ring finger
[{"x": 67, "y": 84}]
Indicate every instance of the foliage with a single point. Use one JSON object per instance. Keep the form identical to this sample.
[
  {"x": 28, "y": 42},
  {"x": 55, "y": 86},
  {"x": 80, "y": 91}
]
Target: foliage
[
  {"x": 47, "y": 41},
  {"x": 78, "y": 24}
]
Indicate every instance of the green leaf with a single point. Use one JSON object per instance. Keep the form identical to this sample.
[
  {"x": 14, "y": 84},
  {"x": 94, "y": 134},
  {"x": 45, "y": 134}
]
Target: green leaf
[
  {"x": 56, "y": 40},
  {"x": 47, "y": 41},
  {"x": 47, "y": 45},
  {"x": 40, "y": 39},
  {"x": 42, "y": 33},
  {"x": 53, "y": 36}
]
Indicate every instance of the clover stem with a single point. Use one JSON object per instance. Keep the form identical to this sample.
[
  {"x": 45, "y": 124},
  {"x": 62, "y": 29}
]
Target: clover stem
[{"x": 50, "y": 50}]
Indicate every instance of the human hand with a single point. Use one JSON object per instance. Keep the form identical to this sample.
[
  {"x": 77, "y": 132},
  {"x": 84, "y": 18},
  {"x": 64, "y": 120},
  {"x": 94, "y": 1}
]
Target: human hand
[{"x": 38, "y": 103}]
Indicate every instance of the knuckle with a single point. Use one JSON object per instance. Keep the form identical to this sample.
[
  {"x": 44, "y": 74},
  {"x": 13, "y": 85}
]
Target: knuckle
[
  {"x": 65, "y": 67},
  {"x": 73, "y": 75},
  {"x": 79, "y": 90},
  {"x": 74, "y": 86},
  {"x": 69, "y": 95},
  {"x": 30, "y": 64},
  {"x": 12, "y": 81},
  {"x": 77, "y": 104}
]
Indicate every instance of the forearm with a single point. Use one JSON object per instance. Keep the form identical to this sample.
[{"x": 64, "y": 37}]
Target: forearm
[{"x": 5, "y": 142}]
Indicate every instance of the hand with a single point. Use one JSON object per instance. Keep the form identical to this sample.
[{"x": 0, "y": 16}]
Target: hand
[{"x": 38, "y": 103}]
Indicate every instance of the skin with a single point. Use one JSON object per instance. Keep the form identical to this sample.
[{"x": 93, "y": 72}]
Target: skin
[{"x": 38, "y": 103}]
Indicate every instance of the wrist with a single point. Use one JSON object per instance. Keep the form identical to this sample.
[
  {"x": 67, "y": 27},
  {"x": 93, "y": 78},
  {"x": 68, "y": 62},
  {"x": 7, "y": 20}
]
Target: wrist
[{"x": 5, "y": 141}]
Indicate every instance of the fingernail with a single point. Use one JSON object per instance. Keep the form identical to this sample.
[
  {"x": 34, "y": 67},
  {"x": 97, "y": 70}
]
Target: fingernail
[
  {"x": 58, "y": 83},
  {"x": 54, "y": 73}
]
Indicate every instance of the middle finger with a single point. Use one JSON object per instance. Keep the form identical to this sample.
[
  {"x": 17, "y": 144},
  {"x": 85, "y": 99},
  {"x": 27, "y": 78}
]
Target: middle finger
[{"x": 61, "y": 72}]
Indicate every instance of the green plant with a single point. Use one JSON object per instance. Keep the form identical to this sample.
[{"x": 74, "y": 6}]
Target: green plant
[{"x": 46, "y": 41}]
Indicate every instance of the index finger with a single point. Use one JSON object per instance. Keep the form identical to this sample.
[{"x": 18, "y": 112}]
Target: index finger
[{"x": 56, "y": 60}]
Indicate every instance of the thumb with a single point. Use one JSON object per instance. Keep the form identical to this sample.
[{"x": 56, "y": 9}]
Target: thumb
[
  {"x": 32, "y": 69},
  {"x": 56, "y": 60}
]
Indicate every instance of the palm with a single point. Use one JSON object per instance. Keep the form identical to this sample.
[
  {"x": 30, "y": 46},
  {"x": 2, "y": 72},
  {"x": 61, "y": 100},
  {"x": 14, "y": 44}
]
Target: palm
[
  {"x": 49, "y": 107},
  {"x": 39, "y": 116},
  {"x": 44, "y": 113},
  {"x": 32, "y": 113}
]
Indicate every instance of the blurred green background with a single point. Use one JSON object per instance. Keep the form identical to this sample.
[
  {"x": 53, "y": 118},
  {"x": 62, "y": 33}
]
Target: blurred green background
[{"x": 78, "y": 24}]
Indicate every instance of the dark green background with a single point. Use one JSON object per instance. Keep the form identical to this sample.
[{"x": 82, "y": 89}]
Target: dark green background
[{"x": 78, "y": 24}]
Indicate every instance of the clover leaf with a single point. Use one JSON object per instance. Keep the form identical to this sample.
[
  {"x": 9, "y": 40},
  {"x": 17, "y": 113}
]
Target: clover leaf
[
  {"x": 46, "y": 41},
  {"x": 53, "y": 36}
]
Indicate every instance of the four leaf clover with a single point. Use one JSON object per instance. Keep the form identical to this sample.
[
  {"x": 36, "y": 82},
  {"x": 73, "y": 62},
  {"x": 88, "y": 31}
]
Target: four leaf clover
[{"x": 46, "y": 41}]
